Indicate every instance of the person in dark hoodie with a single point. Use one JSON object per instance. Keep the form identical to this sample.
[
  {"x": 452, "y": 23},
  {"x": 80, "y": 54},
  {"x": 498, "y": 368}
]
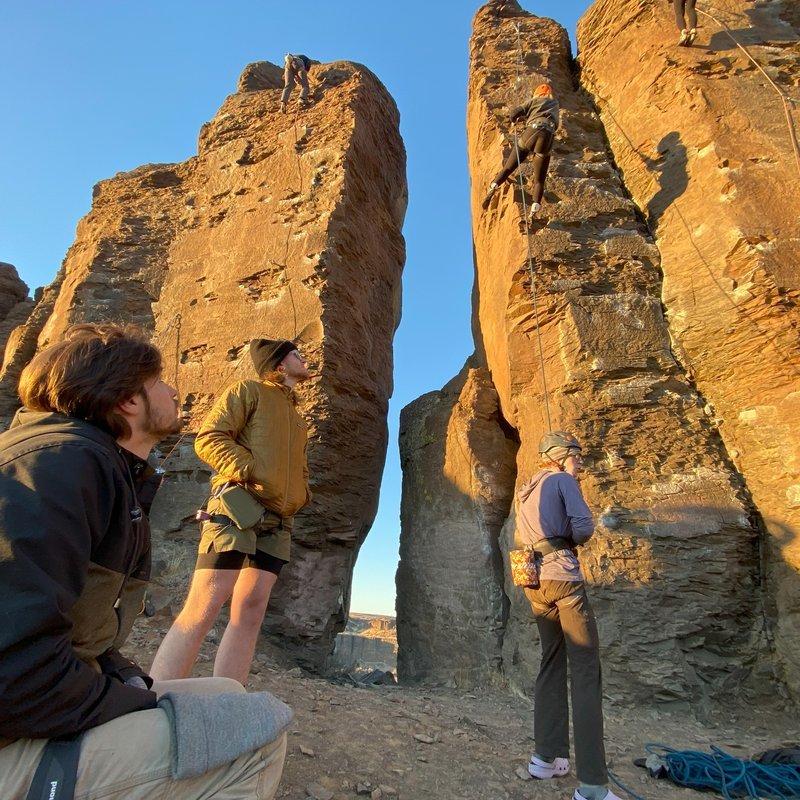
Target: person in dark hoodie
[
  {"x": 541, "y": 114},
  {"x": 554, "y": 519},
  {"x": 75, "y": 491}
]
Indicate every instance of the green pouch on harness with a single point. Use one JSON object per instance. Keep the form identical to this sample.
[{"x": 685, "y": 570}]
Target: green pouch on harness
[{"x": 237, "y": 503}]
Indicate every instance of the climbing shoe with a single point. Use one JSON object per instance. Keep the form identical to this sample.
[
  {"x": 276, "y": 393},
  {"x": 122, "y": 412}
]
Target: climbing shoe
[
  {"x": 489, "y": 195},
  {"x": 684, "y": 40},
  {"x": 691, "y": 37},
  {"x": 541, "y": 769},
  {"x": 535, "y": 208},
  {"x": 283, "y": 108}
]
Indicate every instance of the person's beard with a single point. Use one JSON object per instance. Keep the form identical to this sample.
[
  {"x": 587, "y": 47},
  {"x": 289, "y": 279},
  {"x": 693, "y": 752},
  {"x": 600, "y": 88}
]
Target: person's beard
[{"x": 157, "y": 425}]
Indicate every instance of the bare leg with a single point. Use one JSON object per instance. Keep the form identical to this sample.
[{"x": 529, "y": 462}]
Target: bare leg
[
  {"x": 248, "y": 605},
  {"x": 209, "y": 590}
]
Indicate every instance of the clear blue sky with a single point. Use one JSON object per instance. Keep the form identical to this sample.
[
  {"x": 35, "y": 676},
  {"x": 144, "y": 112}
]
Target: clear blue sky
[{"x": 89, "y": 88}]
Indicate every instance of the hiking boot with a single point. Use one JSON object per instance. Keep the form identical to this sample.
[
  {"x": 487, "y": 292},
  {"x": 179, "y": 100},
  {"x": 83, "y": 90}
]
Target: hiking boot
[
  {"x": 489, "y": 195},
  {"x": 535, "y": 208},
  {"x": 541, "y": 769},
  {"x": 283, "y": 108},
  {"x": 609, "y": 796},
  {"x": 684, "y": 40},
  {"x": 304, "y": 103},
  {"x": 691, "y": 37}
]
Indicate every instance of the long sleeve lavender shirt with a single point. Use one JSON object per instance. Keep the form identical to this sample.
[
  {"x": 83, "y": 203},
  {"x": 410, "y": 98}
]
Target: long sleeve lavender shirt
[{"x": 551, "y": 506}]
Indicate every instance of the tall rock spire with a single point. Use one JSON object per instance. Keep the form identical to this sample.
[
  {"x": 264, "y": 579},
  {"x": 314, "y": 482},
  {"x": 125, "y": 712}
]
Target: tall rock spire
[
  {"x": 706, "y": 138},
  {"x": 282, "y": 225},
  {"x": 673, "y": 566}
]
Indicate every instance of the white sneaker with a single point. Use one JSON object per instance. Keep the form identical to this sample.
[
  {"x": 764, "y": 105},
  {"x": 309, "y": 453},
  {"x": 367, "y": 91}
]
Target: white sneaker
[
  {"x": 609, "y": 796},
  {"x": 541, "y": 769}
]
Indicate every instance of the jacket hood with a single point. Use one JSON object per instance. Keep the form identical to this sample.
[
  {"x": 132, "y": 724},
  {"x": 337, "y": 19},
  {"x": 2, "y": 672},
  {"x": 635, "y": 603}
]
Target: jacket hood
[
  {"x": 526, "y": 488},
  {"x": 42, "y": 422}
]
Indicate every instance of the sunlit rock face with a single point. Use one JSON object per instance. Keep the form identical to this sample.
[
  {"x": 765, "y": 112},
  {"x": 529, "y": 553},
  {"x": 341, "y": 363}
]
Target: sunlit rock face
[
  {"x": 673, "y": 569},
  {"x": 702, "y": 139},
  {"x": 15, "y": 307},
  {"x": 283, "y": 225}
]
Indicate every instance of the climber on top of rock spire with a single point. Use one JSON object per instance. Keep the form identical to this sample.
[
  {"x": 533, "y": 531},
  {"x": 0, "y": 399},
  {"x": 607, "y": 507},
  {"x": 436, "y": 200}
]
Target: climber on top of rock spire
[
  {"x": 685, "y": 9},
  {"x": 541, "y": 113},
  {"x": 295, "y": 71}
]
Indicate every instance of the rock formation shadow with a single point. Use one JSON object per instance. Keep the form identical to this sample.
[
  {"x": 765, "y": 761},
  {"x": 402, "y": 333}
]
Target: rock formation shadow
[
  {"x": 673, "y": 177},
  {"x": 720, "y": 41}
]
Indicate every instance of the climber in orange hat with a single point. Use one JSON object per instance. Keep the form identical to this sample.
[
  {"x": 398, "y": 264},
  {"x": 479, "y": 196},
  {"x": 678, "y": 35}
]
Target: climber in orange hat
[{"x": 541, "y": 115}]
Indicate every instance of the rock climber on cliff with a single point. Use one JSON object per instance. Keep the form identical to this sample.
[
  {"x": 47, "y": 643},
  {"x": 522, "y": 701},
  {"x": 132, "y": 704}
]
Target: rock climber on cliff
[
  {"x": 255, "y": 441},
  {"x": 295, "y": 71},
  {"x": 541, "y": 114},
  {"x": 554, "y": 519},
  {"x": 686, "y": 20}
]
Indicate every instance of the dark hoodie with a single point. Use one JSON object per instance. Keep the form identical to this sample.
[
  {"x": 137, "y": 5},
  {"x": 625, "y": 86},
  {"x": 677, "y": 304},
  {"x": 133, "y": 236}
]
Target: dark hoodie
[
  {"x": 74, "y": 561},
  {"x": 551, "y": 506},
  {"x": 543, "y": 111}
]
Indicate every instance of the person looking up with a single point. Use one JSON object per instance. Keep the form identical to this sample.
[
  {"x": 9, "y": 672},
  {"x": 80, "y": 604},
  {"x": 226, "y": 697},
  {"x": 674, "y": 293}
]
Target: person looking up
[
  {"x": 554, "y": 519},
  {"x": 256, "y": 442}
]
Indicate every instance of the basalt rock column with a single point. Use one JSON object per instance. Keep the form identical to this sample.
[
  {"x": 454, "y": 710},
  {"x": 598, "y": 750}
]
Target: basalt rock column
[
  {"x": 283, "y": 225},
  {"x": 458, "y": 478},
  {"x": 703, "y": 139},
  {"x": 674, "y": 525},
  {"x": 15, "y": 307}
]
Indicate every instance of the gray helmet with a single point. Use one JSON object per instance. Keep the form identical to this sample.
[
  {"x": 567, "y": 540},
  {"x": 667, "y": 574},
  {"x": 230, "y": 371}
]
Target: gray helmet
[{"x": 558, "y": 439}]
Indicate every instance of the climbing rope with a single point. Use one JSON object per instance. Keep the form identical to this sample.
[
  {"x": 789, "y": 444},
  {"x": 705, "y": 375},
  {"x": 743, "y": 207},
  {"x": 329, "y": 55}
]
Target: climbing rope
[
  {"x": 731, "y": 776},
  {"x": 617, "y": 782},
  {"x": 785, "y": 99},
  {"x": 531, "y": 269},
  {"x": 175, "y": 322}
]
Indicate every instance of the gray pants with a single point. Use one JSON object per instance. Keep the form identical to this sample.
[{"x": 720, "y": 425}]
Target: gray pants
[
  {"x": 568, "y": 633},
  {"x": 684, "y": 10},
  {"x": 292, "y": 75}
]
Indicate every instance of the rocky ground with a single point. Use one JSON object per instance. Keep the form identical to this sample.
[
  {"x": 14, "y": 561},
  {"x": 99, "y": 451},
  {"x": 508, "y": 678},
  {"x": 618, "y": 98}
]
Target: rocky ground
[{"x": 414, "y": 744}]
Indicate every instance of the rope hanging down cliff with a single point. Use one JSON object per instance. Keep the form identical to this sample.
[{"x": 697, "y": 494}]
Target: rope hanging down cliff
[
  {"x": 785, "y": 99},
  {"x": 175, "y": 322},
  {"x": 531, "y": 270}
]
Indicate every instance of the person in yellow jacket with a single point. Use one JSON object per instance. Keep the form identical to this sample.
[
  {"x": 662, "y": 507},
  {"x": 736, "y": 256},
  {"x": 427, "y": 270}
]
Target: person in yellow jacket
[{"x": 255, "y": 441}]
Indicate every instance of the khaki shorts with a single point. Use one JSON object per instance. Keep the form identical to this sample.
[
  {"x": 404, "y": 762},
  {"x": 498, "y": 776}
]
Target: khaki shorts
[{"x": 273, "y": 536}]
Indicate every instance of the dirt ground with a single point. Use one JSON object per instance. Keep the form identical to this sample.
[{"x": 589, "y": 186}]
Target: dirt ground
[{"x": 414, "y": 744}]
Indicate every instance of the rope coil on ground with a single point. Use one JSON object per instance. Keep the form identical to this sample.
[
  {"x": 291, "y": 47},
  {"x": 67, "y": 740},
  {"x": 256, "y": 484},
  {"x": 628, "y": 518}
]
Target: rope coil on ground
[{"x": 731, "y": 776}]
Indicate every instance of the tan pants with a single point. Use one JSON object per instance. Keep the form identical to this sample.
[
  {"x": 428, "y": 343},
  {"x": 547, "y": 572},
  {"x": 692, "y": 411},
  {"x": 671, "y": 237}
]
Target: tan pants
[{"x": 129, "y": 759}]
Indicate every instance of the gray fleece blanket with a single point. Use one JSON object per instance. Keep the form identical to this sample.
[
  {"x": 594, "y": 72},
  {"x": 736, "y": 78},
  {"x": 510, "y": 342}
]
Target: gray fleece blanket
[{"x": 211, "y": 730}]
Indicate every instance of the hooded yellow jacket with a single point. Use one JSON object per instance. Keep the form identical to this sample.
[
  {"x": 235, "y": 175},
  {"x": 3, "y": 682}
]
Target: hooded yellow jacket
[{"x": 253, "y": 435}]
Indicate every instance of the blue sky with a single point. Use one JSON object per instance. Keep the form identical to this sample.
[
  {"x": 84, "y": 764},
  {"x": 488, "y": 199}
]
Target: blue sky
[{"x": 89, "y": 88}]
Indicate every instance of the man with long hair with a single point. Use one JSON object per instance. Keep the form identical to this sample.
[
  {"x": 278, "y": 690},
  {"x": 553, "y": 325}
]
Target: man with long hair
[
  {"x": 75, "y": 489},
  {"x": 255, "y": 441}
]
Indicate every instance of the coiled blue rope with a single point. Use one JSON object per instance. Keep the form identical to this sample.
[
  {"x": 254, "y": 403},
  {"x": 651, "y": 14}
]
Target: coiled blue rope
[{"x": 731, "y": 776}]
